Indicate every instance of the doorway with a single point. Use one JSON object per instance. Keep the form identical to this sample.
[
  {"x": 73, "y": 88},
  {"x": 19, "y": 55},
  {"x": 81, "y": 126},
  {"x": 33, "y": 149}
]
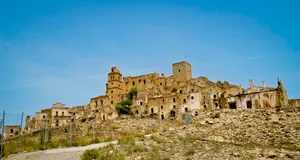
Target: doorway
[
  {"x": 172, "y": 114},
  {"x": 249, "y": 104},
  {"x": 232, "y": 105}
]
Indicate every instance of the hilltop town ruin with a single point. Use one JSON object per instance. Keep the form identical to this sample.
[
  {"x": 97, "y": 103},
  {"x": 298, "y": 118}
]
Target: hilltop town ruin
[{"x": 164, "y": 97}]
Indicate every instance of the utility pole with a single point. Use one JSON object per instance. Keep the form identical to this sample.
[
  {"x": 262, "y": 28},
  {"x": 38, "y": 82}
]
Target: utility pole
[
  {"x": 20, "y": 129},
  {"x": 93, "y": 130},
  {"x": 45, "y": 135},
  {"x": 2, "y": 138},
  {"x": 71, "y": 132}
]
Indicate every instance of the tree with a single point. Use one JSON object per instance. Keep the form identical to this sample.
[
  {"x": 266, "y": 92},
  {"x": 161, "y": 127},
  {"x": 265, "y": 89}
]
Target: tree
[{"x": 124, "y": 106}]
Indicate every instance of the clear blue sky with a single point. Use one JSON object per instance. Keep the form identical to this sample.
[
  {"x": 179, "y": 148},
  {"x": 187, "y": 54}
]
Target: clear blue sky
[{"x": 61, "y": 51}]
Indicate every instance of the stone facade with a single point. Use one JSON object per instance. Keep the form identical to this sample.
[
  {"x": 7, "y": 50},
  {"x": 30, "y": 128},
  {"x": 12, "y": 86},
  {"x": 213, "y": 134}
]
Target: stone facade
[
  {"x": 12, "y": 130},
  {"x": 294, "y": 102},
  {"x": 164, "y": 97},
  {"x": 55, "y": 116},
  {"x": 258, "y": 97}
]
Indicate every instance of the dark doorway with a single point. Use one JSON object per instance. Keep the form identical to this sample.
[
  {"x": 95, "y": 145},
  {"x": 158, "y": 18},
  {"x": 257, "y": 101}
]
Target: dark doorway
[
  {"x": 152, "y": 110},
  {"x": 186, "y": 109},
  {"x": 249, "y": 104},
  {"x": 162, "y": 117},
  {"x": 232, "y": 105},
  {"x": 103, "y": 117},
  {"x": 137, "y": 111},
  {"x": 172, "y": 114}
]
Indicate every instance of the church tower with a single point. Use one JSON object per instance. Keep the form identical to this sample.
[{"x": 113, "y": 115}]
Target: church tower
[{"x": 114, "y": 86}]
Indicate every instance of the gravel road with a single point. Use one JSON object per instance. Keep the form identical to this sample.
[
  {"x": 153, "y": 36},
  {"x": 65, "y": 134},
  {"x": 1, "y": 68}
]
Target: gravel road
[{"x": 73, "y": 153}]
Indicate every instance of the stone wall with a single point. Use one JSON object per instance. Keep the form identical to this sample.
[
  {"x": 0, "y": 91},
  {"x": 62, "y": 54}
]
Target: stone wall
[
  {"x": 12, "y": 130},
  {"x": 294, "y": 102}
]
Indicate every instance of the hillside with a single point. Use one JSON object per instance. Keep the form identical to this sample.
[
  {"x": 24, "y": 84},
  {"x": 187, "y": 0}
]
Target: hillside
[{"x": 250, "y": 134}]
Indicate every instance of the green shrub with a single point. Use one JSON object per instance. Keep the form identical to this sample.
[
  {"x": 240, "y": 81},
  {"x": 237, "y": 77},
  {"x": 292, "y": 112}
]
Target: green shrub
[
  {"x": 97, "y": 140},
  {"x": 110, "y": 156},
  {"x": 90, "y": 154},
  {"x": 81, "y": 142},
  {"x": 124, "y": 107}
]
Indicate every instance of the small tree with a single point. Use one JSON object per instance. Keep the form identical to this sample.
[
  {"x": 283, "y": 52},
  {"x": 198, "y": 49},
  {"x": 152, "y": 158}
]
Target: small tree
[{"x": 124, "y": 106}]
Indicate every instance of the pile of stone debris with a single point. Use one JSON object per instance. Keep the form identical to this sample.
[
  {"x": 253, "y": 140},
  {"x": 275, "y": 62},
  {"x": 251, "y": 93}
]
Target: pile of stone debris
[{"x": 224, "y": 134}]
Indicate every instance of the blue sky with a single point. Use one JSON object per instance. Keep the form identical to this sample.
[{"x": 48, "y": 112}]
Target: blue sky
[{"x": 61, "y": 51}]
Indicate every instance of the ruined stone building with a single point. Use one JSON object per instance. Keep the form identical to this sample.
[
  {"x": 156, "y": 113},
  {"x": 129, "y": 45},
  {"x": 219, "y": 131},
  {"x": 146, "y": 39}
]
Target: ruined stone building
[
  {"x": 165, "y": 97},
  {"x": 258, "y": 97},
  {"x": 55, "y": 116},
  {"x": 12, "y": 130}
]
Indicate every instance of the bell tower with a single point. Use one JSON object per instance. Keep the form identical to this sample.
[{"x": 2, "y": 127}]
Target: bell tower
[{"x": 114, "y": 86}]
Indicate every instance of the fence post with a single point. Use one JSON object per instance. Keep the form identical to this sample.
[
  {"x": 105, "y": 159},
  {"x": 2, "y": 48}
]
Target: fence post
[
  {"x": 93, "y": 131},
  {"x": 45, "y": 135},
  {"x": 2, "y": 138},
  {"x": 20, "y": 129},
  {"x": 71, "y": 133}
]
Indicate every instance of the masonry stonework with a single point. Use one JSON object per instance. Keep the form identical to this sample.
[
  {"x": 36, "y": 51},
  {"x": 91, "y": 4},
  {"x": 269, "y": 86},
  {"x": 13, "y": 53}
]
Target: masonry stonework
[{"x": 164, "y": 97}]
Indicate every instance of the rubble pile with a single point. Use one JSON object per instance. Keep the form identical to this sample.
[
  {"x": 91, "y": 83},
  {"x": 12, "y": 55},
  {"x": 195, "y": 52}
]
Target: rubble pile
[{"x": 224, "y": 134}]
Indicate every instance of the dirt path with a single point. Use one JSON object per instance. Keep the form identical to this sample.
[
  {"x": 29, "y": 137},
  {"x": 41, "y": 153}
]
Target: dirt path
[{"x": 73, "y": 153}]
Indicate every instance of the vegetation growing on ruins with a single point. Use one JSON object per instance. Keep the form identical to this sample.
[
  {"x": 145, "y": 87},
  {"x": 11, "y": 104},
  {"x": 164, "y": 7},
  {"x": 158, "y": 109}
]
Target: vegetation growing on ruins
[{"x": 124, "y": 106}]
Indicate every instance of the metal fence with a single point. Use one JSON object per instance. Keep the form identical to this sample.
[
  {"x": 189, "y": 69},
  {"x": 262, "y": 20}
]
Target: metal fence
[
  {"x": 96, "y": 133},
  {"x": 11, "y": 124}
]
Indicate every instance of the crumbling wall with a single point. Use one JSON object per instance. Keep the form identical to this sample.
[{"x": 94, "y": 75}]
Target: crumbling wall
[
  {"x": 223, "y": 101},
  {"x": 294, "y": 102},
  {"x": 282, "y": 95}
]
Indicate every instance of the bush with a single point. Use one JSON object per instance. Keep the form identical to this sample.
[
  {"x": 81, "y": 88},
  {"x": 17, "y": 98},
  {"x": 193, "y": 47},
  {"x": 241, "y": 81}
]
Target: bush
[
  {"x": 90, "y": 154},
  {"x": 97, "y": 140},
  {"x": 124, "y": 107},
  {"x": 109, "y": 156}
]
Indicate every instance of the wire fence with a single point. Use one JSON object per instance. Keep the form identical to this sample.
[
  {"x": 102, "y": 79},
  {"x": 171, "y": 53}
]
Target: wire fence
[{"x": 74, "y": 133}]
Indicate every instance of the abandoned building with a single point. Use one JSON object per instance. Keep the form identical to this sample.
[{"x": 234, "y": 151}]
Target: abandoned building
[
  {"x": 294, "y": 102},
  {"x": 55, "y": 116},
  {"x": 12, "y": 130},
  {"x": 258, "y": 97},
  {"x": 164, "y": 97}
]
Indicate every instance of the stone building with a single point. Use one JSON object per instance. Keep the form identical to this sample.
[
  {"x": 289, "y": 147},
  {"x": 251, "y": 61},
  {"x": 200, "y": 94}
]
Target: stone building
[
  {"x": 165, "y": 97},
  {"x": 258, "y": 97},
  {"x": 160, "y": 96},
  {"x": 294, "y": 102},
  {"x": 12, "y": 130},
  {"x": 55, "y": 116}
]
